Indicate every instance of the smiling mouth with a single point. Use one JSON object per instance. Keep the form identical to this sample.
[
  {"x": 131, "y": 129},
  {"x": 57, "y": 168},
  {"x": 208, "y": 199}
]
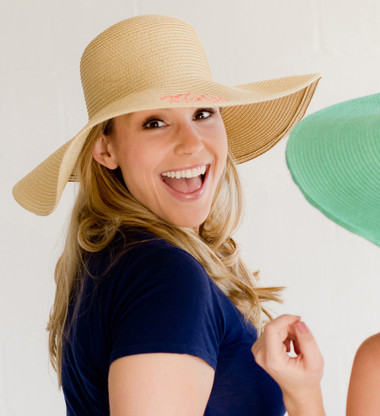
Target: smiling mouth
[{"x": 186, "y": 181}]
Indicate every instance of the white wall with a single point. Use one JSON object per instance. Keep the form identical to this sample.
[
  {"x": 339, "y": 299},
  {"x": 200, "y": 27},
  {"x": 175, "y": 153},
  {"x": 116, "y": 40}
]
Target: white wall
[{"x": 332, "y": 276}]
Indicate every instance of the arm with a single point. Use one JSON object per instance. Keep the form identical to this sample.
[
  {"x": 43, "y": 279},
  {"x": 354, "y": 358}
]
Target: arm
[
  {"x": 166, "y": 327},
  {"x": 363, "y": 392},
  {"x": 159, "y": 384},
  {"x": 299, "y": 377}
]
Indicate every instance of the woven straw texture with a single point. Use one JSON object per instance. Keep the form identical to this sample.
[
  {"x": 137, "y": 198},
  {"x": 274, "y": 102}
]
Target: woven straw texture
[
  {"x": 155, "y": 61},
  {"x": 334, "y": 158}
]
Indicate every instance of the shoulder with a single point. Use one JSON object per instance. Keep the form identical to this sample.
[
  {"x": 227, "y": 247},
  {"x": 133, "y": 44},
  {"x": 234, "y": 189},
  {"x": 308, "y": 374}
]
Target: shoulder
[
  {"x": 148, "y": 260},
  {"x": 140, "y": 248},
  {"x": 369, "y": 352},
  {"x": 150, "y": 251},
  {"x": 363, "y": 398}
]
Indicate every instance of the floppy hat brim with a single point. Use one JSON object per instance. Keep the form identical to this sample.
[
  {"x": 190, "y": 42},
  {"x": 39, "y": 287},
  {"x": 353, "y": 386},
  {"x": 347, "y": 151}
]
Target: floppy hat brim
[
  {"x": 256, "y": 116},
  {"x": 334, "y": 158}
]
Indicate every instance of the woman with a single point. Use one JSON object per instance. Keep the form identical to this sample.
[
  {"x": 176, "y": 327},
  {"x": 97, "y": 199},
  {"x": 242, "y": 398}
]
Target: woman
[
  {"x": 155, "y": 312},
  {"x": 333, "y": 156}
]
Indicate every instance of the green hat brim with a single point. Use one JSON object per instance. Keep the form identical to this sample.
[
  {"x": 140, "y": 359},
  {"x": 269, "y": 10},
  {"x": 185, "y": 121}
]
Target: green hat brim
[{"x": 334, "y": 158}]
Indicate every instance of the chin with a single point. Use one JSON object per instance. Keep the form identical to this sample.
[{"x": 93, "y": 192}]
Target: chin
[
  {"x": 187, "y": 224},
  {"x": 189, "y": 221}
]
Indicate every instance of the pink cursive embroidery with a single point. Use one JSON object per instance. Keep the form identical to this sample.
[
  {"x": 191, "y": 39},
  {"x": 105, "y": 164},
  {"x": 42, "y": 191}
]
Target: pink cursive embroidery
[{"x": 192, "y": 98}]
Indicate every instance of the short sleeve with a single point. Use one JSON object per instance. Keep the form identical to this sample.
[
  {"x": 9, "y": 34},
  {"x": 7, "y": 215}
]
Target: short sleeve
[{"x": 164, "y": 301}]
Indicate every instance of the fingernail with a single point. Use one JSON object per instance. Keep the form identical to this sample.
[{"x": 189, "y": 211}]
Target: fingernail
[{"x": 301, "y": 326}]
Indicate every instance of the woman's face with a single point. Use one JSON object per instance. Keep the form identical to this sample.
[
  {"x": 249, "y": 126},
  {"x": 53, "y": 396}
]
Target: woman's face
[{"x": 171, "y": 160}]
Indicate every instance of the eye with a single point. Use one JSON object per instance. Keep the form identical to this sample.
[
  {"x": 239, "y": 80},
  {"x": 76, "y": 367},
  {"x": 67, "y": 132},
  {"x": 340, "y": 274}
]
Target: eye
[
  {"x": 203, "y": 113},
  {"x": 153, "y": 123}
]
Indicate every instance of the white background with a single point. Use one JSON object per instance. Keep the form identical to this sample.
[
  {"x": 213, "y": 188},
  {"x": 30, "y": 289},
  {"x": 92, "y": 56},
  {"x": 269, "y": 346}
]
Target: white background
[{"x": 331, "y": 275}]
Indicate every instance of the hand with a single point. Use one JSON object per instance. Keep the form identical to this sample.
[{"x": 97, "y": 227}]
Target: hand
[{"x": 299, "y": 377}]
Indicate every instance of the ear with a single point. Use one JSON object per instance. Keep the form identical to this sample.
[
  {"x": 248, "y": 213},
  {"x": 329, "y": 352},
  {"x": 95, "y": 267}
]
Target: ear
[{"x": 104, "y": 153}]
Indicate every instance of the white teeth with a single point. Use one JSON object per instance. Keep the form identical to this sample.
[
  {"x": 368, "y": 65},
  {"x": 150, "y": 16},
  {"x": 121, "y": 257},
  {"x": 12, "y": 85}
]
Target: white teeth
[{"x": 187, "y": 173}]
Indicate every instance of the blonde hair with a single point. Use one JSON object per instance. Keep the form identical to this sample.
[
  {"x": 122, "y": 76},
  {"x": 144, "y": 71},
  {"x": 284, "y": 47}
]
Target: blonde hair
[{"x": 104, "y": 205}]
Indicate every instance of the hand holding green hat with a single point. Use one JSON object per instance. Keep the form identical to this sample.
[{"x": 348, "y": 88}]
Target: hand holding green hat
[{"x": 334, "y": 158}]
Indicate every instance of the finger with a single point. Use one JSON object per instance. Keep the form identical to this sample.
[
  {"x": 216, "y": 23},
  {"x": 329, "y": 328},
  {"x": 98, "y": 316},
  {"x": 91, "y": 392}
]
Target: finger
[
  {"x": 308, "y": 347},
  {"x": 284, "y": 320},
  {"x": 282, "y": 327},
  {"x": 287, "y": 345},
  {"x": 291, "y": 339},
  {"x": 277, "y": 332},
  {"x": 292, "y": 332},
  {"x": 293, "y": 336},
  {"x": 297, "y": 348}
]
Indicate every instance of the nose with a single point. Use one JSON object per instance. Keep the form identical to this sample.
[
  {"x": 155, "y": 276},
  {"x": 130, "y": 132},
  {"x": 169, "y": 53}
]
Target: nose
[{"x": 189, "y": 140}]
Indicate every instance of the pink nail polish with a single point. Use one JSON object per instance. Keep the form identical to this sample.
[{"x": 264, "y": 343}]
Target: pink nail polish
[{"x": 301, "y": 326}]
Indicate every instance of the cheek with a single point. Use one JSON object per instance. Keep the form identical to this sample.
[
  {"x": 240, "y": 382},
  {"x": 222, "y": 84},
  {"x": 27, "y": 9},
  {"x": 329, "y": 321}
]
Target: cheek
[
  {"x": 129, "y": 162},
  {"x": 138, "y": 170},
  {"x": 222, "y": 146},
  {"x": 130, "y": 157}
]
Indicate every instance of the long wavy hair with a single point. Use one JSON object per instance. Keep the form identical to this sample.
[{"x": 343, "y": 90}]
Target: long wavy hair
[{"x": 104, "y": 205}]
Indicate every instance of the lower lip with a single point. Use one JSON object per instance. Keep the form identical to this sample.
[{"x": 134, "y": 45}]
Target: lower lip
[{"x": 192, "y": 196}]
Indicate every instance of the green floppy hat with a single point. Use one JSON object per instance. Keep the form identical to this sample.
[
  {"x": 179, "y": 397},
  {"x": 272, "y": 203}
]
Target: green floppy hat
[{"x": 334, "y": 158}]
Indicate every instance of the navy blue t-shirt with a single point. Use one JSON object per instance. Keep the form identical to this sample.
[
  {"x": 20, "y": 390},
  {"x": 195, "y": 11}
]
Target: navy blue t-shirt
[{"x": 156, "y": 297}]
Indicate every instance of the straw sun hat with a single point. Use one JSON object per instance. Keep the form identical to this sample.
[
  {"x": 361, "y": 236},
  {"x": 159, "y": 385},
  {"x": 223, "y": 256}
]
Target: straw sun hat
[
  {"x": 334, "y": 158},
  {"x": 154, "y": 61}
]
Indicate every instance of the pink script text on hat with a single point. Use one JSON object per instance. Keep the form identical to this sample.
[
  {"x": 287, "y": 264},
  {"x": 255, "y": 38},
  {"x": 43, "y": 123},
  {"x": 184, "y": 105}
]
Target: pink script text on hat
[{"x": 192, "y": 98}]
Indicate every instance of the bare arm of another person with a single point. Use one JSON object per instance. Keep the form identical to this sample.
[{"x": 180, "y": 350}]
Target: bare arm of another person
[
  {"x": 159, "y": 384},
  {"x": 299, "y": 377},
  {"x": 363, "y": 393}
]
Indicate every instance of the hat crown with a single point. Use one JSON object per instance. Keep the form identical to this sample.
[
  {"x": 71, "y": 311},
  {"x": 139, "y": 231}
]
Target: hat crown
[{"x": 140, "y": 53}]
